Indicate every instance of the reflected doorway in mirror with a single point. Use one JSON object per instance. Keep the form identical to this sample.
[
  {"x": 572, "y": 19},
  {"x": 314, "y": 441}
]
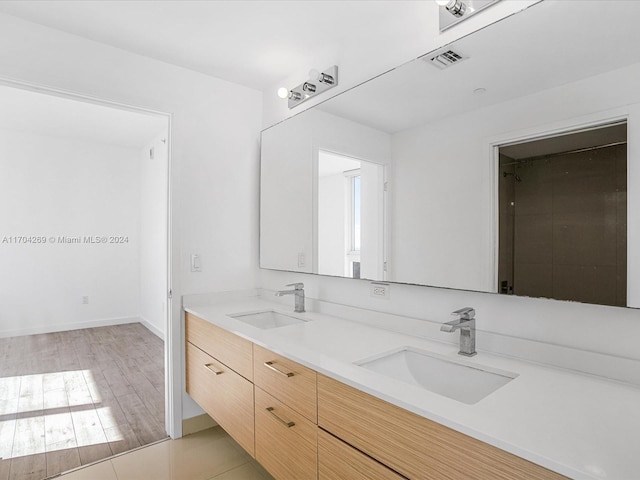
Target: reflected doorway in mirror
[
  {"x": 563, "y": 216},
  {"x": 350, "y": 228}
]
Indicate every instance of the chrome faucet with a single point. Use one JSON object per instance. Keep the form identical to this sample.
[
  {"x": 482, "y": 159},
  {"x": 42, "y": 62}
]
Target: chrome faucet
[
  {"x": 298, "y": 291},
  {"x": 466, "y": 323}
]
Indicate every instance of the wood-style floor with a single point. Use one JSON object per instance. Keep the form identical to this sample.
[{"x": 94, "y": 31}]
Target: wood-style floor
[{"x": 70, "y": 398}]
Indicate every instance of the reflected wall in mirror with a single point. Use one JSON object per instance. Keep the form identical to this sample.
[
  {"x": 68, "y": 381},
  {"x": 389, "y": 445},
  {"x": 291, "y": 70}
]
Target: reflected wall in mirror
[
  {"x": 439, "y": 134},
  {"x": 295, "y": 205}
]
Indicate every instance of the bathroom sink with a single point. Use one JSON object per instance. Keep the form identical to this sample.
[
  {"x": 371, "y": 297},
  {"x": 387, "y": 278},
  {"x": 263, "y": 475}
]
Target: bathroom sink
[
  {"x": 466, "y": 383},
  {"x": 267, "y": 319}
]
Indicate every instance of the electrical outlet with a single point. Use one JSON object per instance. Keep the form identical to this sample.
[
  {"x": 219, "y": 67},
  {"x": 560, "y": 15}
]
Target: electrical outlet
[
  {"x": 85, "y": 300},
  {"x": 380, "y": 290},
  {"x": 302, "y": 262}
]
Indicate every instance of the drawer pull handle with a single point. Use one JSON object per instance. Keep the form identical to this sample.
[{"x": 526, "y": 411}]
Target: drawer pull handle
[
  {"x": 209, "y": 366},
  {"x": 284, "y": 422},
  {"x": 270, "y": 365}
]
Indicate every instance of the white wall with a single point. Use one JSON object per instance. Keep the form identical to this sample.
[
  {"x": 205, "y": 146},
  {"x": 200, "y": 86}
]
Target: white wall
[
  {"x": 285, "y": 197},
  {"x": 372, "y": 210},
  {"x": 332, "y": 201},
  {"x": 55, "y": 187},
  {"x": 214, "y": 152},
  {"x": 153, "y": 186}
]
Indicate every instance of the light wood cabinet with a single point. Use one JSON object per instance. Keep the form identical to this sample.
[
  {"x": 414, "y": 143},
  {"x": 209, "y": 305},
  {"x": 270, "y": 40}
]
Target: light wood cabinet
[
  {"x": 225, "y": 395},
  {"x": 360, "y": 437},
  {"x": 414, "y": 446},
  {"x": 290, "y": 382},
  {"x": 336, "y": 459},
  {"x": 234, "y": 351},
  {"x": 286, "y": 441}
]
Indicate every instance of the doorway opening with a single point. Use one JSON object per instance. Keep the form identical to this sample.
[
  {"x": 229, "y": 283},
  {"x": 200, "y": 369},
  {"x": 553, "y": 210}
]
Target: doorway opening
[
  {"x": 563, "y": 216},
  {"x": 350, "y": 217},
  {"x": 84, "y": 241}
]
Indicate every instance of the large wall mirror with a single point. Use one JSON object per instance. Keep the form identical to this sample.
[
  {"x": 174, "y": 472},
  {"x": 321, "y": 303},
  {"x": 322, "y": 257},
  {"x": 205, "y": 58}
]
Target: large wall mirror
[{"x": 506, "y": 162}]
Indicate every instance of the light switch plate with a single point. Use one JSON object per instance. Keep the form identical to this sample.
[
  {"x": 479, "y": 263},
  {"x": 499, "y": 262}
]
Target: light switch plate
[{"x": 196, "y": 263}]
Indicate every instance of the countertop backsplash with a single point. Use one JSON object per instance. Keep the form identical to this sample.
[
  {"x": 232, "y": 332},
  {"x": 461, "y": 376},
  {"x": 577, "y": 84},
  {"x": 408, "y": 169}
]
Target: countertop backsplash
[{"x": 590, "y": 339}]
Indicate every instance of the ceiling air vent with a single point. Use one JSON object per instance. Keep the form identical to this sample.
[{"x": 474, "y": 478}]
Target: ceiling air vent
[{"x": 444, "y": 59}]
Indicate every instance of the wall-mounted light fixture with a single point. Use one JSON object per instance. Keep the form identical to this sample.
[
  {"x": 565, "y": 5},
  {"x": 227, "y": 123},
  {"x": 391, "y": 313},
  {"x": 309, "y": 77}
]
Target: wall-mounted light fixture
[
  {"x": 318, "y": 82},
  {"x": 454, "y": 7},
  {"x": 453, "y": 12}
]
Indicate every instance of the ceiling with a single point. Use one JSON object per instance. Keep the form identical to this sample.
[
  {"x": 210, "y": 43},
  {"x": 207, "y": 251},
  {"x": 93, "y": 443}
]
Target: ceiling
[
  {"x": 50, "y": 115},
  {"x": 253, "y": 43}
]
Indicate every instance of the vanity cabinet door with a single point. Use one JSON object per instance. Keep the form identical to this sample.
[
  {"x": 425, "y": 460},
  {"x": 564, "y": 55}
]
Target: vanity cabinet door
[
  {"x": 288, "y": 381},
  {"x": 336, "y": 459},
  {"x": 286, "y": 441},
  {"x": 413, "y": 445},
  {"x": 226, "y": 396},
  {"x": 234, "y": 351}
]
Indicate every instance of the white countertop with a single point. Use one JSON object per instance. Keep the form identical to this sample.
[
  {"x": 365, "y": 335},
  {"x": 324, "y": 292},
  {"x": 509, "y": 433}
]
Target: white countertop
[{"x": 581, "y": 426}]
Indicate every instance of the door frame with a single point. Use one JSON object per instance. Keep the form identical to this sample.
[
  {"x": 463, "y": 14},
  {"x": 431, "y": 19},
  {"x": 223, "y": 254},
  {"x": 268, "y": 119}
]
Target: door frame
[{"x": 173, "y": 332}]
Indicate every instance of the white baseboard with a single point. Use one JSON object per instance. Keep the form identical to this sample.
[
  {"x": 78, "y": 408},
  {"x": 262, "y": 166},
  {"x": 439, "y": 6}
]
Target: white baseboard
[
  {"x": 152, "y": 328},
  {"x": 63, "y": 327}
]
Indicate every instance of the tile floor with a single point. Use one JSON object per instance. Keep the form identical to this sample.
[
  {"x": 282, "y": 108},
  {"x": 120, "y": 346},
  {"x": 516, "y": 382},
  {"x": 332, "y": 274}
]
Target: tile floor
[
  {"x": 207, "y": 455},
  {"x": 71, "y": 398}
]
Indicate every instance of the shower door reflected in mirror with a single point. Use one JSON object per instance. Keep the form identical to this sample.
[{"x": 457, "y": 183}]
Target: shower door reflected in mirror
[
  {"x": 350, "y": 231},
  {"x": 563, "y": 217}
]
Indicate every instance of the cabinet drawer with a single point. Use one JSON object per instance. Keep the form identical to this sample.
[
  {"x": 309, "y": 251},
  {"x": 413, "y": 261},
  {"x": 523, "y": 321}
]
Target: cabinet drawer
[
  {"x": 336, "y": 459},
  {"x": 286, "y": 380},
  {"x": 223, "y": 394},
  {"x": 235, "y": 352},
  {"x": 286, "y": 442},
  {"x": 412, "y": 445}
]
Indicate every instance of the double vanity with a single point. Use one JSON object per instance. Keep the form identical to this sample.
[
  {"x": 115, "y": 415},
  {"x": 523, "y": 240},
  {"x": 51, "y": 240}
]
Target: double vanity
[
  {"x": 311, "y": 395},
  {"x": 465, "y": 178}
]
